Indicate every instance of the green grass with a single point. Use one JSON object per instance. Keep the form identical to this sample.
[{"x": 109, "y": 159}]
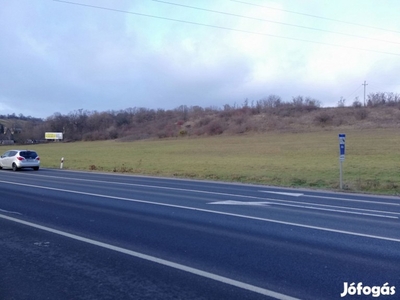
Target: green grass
[{"x": 307, "y": 159}]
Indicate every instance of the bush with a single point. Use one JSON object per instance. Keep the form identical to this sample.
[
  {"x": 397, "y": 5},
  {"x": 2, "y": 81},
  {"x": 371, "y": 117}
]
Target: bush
[
  {"x": 361, "y": 114},
  {"x": 323, "y": 118},
  {"x": 215, "y": 127},
  {"x": 204, "y": 121}
]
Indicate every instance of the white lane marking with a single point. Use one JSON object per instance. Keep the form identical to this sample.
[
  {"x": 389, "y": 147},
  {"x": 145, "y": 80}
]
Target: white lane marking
[
  {"x": 216, "y": 193},
  {"x": 232, "y": 202},
  {"x": 336, "y": 208},
  {"x": 216, "y": 212},
  {"x": 299, "y": 204},
  {"x": 148, "y": 186},
  {"x": 283, "y": 193},
  {"x": 157, "y": 260},
  {"x": 339, "y": 210},
  {"x": 351, "y": 200},
  {"x": 10, "y": 212}
]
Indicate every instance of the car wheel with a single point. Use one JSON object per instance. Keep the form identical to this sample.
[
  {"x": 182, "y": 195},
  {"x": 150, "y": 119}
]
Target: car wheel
[
  {"x": 36, "y": 168},
  {"x": 15, "y": 168}
]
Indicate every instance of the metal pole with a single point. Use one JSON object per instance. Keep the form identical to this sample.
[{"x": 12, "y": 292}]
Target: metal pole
[
  {"x": 341, "y": 175},
  {"x": 365, "y": 87}
]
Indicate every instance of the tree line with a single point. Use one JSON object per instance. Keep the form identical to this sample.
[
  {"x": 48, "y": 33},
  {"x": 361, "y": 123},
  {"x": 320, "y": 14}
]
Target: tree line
[{"x": 142, "y": 123}]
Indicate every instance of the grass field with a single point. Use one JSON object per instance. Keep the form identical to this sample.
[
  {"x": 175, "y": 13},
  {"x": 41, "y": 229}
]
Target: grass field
[{"x": 309, "y": 159}]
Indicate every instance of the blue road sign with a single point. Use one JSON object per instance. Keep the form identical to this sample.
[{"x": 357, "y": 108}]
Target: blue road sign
[{"x": 342, "y": 145}]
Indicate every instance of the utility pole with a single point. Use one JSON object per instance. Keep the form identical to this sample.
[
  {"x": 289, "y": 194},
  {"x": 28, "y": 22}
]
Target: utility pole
[{"x": 365, "y": 87}]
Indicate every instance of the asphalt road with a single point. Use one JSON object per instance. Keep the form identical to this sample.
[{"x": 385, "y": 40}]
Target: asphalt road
[{"x": 77, "y": 235}]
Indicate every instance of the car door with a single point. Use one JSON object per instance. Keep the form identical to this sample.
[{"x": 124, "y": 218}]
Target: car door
[
  {"x": 9, "y": 159},
  {"x": 3, "y": 159}
]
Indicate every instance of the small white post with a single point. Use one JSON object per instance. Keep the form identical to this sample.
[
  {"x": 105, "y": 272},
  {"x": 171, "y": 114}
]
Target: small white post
[{"x": 62, "y": 162}]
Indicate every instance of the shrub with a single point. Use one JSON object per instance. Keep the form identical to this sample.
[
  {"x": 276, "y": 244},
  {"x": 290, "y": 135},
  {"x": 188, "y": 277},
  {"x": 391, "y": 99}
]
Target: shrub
[
  {"x": 360, "y": 114},
  {"x": 323, "y": 118},
  {"x": 215, "y": 127},
  {"x": 204, "y": 121}
]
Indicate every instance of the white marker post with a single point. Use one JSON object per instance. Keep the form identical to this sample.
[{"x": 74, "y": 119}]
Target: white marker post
[
  {"x": 342, "y": 152},
  {"x": 62, "y": 162}
]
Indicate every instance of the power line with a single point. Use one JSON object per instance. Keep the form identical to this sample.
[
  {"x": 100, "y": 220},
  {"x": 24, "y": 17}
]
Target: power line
[
  {"x": 354, "y": 91},
  {"x": 275, "y": 22},
  {"x": 318, "y": 17},
  {"x": 224, "y": 28}
]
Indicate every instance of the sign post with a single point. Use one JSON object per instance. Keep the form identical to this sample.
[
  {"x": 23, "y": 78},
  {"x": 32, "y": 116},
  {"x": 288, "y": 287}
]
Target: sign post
[{"x": 342, "y": 153}]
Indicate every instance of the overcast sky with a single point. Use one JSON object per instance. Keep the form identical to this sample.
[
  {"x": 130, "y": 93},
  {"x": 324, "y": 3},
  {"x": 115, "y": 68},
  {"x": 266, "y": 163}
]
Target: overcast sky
[{"x": 61, "y": 57}]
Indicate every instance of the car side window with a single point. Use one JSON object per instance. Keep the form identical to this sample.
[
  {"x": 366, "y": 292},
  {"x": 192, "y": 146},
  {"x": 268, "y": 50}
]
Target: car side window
[
  {"x": 5, "y": 154},
  {"x": 12, "y": 153}
]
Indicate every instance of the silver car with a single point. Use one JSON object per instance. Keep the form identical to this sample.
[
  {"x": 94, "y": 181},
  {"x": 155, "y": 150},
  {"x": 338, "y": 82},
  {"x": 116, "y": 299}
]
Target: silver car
[{"x": 18, "y": 159}]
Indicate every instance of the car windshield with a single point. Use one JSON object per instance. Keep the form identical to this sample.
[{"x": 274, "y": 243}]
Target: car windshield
[{"x": 28, "y": 154}]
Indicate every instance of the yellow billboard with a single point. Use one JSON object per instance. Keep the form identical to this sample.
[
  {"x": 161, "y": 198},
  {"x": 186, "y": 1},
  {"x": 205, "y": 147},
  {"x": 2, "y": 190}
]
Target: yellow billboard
[{"x": 53, "y": 135}]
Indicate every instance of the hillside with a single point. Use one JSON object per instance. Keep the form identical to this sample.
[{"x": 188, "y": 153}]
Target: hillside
[
  {"x": 300, "y": 115},
  {"x": 290, "y": 145}
]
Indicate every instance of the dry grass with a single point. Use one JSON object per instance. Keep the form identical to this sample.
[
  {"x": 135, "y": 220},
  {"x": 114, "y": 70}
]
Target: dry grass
[{"x": 304, "y": 159}]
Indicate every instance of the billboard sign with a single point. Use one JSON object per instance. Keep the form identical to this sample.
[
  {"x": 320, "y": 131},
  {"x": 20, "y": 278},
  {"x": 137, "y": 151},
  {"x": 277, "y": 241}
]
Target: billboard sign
[{"x": 53, "y": 135}]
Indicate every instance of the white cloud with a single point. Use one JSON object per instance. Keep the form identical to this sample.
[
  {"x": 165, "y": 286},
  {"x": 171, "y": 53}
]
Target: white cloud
[{"x": 65, "y": 57}]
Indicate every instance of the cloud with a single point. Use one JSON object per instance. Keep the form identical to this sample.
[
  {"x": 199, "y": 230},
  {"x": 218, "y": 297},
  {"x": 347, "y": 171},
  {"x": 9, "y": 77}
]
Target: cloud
[{"x": 60, "y": 57}]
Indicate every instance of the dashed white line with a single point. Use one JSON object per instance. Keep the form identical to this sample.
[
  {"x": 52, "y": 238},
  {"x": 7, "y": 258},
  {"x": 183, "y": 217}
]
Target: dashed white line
[
  {"x": 232, "y": 202},
  {"x": 284, "y": 193},
  {"x": 214, "y": 212},
  {"x": 10, "y": 212},
  {"x": 338, "y": 209}
]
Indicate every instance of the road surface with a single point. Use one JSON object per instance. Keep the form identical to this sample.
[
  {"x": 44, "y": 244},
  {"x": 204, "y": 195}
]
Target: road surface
[{"x": 80, "y": 235}]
